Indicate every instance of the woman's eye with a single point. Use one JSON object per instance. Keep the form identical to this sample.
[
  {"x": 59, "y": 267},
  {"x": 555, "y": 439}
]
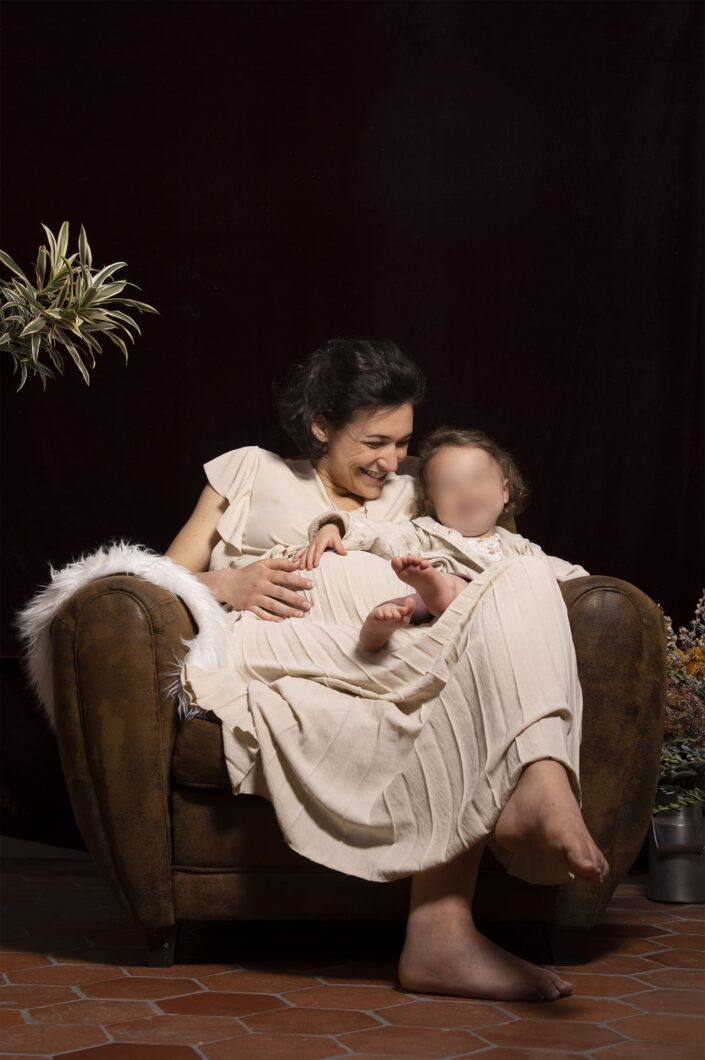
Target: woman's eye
[{"x": 374, "y": 445}]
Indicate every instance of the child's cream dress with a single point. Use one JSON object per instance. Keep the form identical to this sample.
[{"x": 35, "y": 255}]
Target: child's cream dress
[{"x": 382, "y": 764}]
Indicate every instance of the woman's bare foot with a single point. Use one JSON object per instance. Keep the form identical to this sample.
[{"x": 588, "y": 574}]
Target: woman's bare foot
[
  {"x": 382, "y": 621},
  {"x": 436, "y": 589},
  {"x": 445, "y": 955},
  {"x": 542, "y": 814}
]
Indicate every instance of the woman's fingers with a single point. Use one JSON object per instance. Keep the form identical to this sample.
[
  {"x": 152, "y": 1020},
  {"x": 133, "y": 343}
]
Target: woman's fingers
[
  {"x": 261, "y": 613},
  {"x": 276, "y": 590},
  {"x": 291, "y": 581},
  {"x": 271, "y": 584},
  {"x": 276, "y": 596},
  {"x": 278, "y": 607},
  {"x": 280, "y": 563}
]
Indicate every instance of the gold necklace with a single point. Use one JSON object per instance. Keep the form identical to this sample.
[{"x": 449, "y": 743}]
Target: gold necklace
[{"x": 363, "y": 506}]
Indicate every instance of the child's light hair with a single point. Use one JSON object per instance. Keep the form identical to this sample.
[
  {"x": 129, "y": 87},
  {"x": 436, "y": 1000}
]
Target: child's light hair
[{"x": 445, "y": 437}]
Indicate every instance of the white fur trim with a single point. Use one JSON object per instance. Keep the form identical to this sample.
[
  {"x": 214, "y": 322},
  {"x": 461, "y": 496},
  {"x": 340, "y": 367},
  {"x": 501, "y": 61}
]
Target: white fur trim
[{"x": 208, "y": 649}]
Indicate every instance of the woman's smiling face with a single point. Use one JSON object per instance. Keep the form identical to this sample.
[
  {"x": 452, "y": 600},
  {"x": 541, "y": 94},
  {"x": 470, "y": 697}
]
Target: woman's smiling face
[{"x": 363, "y": 452}]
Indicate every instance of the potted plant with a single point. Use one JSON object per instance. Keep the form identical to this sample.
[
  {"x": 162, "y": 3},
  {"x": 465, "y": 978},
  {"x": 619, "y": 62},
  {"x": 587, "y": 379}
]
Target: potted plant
[
  {"x": 69, "y": 309},
  {"x": 677, "y": 836}
]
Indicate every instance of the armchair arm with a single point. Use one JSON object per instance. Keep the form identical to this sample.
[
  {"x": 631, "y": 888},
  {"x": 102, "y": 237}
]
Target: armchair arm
[
  {"x": 620, "y": 643},
  {"x": 113, "y": 644}
]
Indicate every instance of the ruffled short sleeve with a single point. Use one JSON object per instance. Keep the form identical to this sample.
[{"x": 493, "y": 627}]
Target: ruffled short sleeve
[{"x": 233, "y": 474}]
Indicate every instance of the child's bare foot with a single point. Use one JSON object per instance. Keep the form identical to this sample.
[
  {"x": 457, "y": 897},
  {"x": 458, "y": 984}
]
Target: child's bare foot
[
  {"x": 383, "y": 620},
  {"x": 436, "y": 589}
]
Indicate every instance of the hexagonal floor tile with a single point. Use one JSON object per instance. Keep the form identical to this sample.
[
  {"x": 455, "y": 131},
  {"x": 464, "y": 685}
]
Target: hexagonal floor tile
[
  {"x": 274, "y": 1047},
  {"x": 445, "y": 1014},
  {"x": 221, "y": 1003},
  {"x": 294, "y": 1020},
  {"x": 367, "y": 998},
  {"x": 551, "y": 1034},
  {"x": 148, "y": 989},
  {"x": 408, "y": 1042}
]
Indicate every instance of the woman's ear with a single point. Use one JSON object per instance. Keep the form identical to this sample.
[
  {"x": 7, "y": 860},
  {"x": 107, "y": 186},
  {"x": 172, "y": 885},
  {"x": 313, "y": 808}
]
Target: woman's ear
[
  {"x": 319, "y": 427},
  {"x": 505, "y": 490}
]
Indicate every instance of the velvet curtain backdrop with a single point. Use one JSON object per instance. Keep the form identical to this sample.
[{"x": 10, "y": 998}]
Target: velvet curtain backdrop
[{"x": 511, "y": 191}]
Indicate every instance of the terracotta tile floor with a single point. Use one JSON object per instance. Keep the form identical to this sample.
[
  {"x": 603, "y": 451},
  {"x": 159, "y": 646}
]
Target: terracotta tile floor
[{"x": 75, "y": 985}]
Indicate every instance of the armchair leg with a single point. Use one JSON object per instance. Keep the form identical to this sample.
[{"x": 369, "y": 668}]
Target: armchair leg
[{"x": 161, "y": 946}]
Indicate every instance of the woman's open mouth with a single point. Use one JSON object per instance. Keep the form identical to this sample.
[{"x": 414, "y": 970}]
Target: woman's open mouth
[{"x": 372, "y": 477}]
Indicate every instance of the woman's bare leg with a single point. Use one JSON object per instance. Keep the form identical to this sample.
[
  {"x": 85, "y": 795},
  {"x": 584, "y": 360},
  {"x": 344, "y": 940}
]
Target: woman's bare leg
[
  {"x": 444, "y": 953},
  {"x": 543, "y": 814}
]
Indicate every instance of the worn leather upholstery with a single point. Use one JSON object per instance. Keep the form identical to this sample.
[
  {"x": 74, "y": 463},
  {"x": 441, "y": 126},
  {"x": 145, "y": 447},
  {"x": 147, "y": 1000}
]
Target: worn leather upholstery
[{"x": 153, "y": 802}]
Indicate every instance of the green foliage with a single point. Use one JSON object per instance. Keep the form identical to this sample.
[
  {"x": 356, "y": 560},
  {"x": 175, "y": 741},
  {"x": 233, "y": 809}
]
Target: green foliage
[{"x": 69, "y": 309}]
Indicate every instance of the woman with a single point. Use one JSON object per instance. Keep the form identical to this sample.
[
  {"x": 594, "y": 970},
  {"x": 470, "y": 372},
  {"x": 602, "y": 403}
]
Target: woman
[{"x": 444, "y": 751}]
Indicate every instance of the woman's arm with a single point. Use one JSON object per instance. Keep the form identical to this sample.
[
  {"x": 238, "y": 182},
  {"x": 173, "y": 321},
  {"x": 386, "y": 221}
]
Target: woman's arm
[
  {"x": 194, "y": 543},
  {"x": 268, "y": 588}
]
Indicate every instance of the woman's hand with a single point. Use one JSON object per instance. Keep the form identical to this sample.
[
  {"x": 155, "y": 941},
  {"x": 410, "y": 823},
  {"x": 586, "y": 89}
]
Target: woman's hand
[
  {"x": 327, "y": 537},
  {"x": 268, "y": 588}
]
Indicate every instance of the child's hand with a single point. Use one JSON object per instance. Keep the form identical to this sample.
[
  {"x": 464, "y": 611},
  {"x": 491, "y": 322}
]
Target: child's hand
[{"x": 328, "y": 537}]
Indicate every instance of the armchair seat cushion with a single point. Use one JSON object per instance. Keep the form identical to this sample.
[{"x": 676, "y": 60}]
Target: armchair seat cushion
[
  {"x": 216, "y": 831},
  {"x": 199, "y": 759}
]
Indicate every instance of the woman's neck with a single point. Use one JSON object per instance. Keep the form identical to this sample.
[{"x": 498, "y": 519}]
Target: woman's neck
[{"x": 342, "y": 498}]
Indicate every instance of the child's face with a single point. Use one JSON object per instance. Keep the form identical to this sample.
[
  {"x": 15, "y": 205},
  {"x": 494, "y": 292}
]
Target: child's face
[{"x": 466, "y": 488}]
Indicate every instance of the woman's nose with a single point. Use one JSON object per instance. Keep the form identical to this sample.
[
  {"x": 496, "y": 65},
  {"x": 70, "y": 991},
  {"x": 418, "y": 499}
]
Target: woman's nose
[{"x": 390, "y": 462}]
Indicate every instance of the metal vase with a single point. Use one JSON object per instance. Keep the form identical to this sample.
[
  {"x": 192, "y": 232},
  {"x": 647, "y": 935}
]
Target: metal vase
[{"x": 677, "y": 855}]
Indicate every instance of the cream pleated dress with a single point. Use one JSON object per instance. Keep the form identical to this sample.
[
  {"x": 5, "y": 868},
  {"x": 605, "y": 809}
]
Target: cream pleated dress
[{"x": 380, "y": 765}]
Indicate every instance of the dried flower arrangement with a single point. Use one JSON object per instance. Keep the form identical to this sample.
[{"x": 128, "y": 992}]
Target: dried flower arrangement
[{"x": 682, "y": 775}]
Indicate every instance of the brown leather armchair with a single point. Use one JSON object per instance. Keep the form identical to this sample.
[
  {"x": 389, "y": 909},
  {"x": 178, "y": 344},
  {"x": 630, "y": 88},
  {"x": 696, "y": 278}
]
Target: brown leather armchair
[{"x": 153, "y": 801}]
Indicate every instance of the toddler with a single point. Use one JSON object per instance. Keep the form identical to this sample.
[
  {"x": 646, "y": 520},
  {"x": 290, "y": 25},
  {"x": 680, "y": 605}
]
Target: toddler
[{"x": 465, "y": 483}]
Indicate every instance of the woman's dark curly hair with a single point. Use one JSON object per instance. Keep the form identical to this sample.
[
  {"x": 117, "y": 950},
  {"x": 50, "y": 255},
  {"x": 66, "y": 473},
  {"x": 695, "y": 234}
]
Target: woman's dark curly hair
[
  {"x": 339, "y": 379},
  {"x": 443, "y": 437}
]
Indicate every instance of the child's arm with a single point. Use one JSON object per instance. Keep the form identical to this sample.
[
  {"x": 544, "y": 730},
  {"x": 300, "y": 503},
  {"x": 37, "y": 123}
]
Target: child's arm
[
  {"x": 357, "y": 532},
  {"x": 328, "y": 537},
  {"x": 562, "y": 570}
]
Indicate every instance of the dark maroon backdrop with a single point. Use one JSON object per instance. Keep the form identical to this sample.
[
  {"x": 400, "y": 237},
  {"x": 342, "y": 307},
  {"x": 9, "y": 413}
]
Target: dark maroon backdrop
[{"x": 509, "y": 190}]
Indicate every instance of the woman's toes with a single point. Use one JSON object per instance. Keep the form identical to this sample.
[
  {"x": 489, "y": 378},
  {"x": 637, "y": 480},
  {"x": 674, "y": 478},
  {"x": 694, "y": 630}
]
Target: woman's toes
[
  {"x": 551, "y": 983},
  {"x": 585, "y": 860},
  {"x": 547, "y": 988},
  {"x": 563, "y": 986}
]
